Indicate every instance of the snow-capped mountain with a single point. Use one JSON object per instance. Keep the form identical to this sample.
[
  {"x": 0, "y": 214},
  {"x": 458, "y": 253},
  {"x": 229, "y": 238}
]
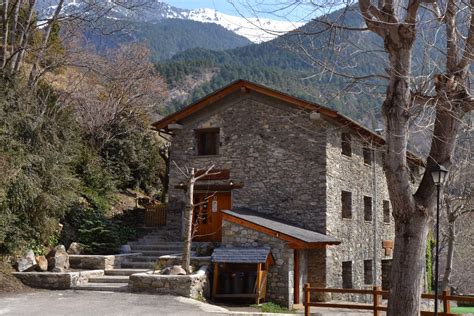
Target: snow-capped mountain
[{"x": 255, "y": 29}]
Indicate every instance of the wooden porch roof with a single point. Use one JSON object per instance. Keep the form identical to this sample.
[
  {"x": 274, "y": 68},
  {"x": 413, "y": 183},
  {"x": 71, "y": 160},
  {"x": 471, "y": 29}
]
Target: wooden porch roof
[{"x": 297, "y": 237}]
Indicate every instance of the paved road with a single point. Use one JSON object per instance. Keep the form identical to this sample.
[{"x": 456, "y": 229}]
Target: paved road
[
  {"x": 75, "y": 303},
  {"x": 88, "y": 303}
]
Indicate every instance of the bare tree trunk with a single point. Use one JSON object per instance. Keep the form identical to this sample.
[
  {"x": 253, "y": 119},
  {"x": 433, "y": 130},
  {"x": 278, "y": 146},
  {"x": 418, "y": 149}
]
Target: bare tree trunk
[
  {"x": 164, "y": 177},
  {"x": 5, "y": 33},
  {"x": 14, "y": 27},
  {"x": 34, "y": 70},
  {"x": 25, "y": 36},
  {"x": 188, "y": 223},
  {"x": 449, "y": 256}
]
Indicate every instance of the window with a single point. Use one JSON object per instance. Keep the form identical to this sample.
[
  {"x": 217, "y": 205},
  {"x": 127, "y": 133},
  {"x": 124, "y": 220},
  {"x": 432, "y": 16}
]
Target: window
[
  {"x": 347, "y": 274},
  {"x": 386, "y": 211},
  {"x": 346, "y": 200},
  {"x": 368, "y": 276},
  {"x": 367, "y": 208},
  {"x": 368, "y": 155},
  {"x": 207, "y": 141},
  {"x": 346, "y": 144}
]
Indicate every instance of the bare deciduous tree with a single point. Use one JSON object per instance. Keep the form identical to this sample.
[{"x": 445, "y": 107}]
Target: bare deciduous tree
[
  {"x": 110, "y": 88},
  {"x": 436, "y": 85},
  {"x": 458, "y": 205},
  {"x": 191, "y": 175}
]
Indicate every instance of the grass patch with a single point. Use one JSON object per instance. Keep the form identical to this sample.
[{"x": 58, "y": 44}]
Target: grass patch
[
  {"x": 462, "y": 310},
  {"x": 272, "y": 308}
]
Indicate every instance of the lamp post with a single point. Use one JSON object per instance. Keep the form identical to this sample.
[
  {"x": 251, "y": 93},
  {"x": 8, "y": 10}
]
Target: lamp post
[{"x": 439, "y": 175}]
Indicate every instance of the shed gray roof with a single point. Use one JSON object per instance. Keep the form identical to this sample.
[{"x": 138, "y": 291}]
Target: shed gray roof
[
  {"x": 240, "y": 255},
  {"x": 265, "y": 221}
]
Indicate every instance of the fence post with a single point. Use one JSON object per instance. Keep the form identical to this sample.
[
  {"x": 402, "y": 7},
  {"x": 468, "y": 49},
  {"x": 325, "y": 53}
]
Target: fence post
[
  {"x": 377, "y": 299},
  {"x": 307, "y": 299},
  {"x": 446, "y": 303}
]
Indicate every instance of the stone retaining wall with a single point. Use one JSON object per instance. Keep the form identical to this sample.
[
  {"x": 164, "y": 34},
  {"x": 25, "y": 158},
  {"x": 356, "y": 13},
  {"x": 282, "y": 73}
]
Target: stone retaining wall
[
  {"x": 193, "y": 286},
  {"x": 56, "y": 281},
  {"x": 92, "y": 262}
]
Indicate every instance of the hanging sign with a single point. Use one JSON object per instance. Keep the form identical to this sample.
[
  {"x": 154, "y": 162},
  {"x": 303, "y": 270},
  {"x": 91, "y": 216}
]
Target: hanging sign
[{"x": 214, "y": 205}]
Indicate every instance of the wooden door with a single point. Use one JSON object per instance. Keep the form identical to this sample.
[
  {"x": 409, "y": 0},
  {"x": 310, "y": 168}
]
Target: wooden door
[{"x": 207, "y": 217}]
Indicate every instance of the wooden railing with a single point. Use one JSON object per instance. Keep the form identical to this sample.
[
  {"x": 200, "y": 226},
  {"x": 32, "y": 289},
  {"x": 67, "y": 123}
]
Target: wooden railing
[
  {"x": 155, "y": 215},
  {"x": 376, "y": 305}
]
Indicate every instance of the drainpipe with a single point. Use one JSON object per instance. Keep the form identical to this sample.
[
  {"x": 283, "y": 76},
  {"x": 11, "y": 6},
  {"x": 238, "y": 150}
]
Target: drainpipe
[
  {"x": 374, "y": 217},
  {"x": 374, "y": 210}
]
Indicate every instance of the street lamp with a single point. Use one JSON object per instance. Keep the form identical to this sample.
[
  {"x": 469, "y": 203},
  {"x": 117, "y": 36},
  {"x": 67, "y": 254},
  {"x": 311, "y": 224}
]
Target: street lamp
[{"x": 438, "y": 173}]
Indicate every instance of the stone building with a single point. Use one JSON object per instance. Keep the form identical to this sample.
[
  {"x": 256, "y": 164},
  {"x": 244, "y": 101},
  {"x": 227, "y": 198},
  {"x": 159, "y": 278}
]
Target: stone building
[{"x": 299, "y": 168}]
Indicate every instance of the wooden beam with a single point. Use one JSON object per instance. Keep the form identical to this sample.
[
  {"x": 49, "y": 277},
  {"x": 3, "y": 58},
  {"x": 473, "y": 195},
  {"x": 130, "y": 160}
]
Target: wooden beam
[
  {"x": 296, "y": 275},
  {"x": 215, "y": 280},
  {"x": 213, "y": 187},
  {"x": 258, "y": 281}
]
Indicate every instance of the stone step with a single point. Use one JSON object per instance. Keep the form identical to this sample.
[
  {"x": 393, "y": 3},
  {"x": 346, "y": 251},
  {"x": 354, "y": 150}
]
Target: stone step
[
  {"x": 145, "y": 258},
  {"x": 158, "y": 253},
  {"x": 155, "y": 243},
  {"x": 110, "y": 279},
  {"x": 124, "y": 272},
  {"x": 140, "y": 248},
  {"x": 138, "y": 265},
  {"x": 111, "y": 287}
]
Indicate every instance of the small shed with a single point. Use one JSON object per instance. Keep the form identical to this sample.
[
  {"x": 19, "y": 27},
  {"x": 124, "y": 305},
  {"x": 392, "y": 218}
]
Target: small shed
[{"x": 241, "y": 272}]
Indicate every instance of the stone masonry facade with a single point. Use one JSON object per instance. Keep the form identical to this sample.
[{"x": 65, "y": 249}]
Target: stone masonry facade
[{"x": 291, "y": 167}]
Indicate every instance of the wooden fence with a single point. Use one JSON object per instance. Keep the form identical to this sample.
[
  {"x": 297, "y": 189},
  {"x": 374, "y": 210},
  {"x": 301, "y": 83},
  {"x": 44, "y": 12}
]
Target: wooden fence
[
  {"x": 155, "y": 215},
  {"x": 376, "y": 305}
]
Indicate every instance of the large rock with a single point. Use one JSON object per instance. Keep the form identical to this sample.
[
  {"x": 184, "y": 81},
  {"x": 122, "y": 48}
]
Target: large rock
[
  {"x": 27, "y": 262},
  {"x": 75, "y": 249},
  {"x": 41, "y": 264},
  {"x": 174, "y": 270},
  {"x": 58, "y": 259}
]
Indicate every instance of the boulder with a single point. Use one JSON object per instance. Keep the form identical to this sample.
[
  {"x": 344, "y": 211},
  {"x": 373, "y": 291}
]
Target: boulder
[
  {"x": 58, "y": 259},
  {"x": 27, "y": 262},
  {"x": 75, "y": 249},
  {"x": 174, "y": 270},
  {"x": 41, "y": 264}
]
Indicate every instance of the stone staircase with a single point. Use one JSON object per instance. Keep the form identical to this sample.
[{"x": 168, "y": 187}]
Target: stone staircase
[
  {"x": 152, "y": 246},
  {"x": 115, "y": 280}
]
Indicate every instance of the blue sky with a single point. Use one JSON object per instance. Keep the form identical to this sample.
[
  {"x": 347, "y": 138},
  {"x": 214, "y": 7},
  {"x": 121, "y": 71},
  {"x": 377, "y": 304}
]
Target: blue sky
[{"x": 245, "y": 8}]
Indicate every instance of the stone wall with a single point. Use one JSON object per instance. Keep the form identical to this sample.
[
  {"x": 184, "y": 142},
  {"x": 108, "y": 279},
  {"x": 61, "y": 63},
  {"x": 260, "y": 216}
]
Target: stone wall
[
  {"x": 274, "y": 150},
  {"x": 56, "y": 281},
  {"x": 353, "y": 175},
  {"x": 194, "y": 285},
  {"x": 90, "y": 262},
  {"x": 280, "y": 275}
]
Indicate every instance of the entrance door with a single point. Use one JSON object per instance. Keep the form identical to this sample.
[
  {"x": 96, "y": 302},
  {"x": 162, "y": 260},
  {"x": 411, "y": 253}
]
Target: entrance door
[{"x": 207, "y": 217}]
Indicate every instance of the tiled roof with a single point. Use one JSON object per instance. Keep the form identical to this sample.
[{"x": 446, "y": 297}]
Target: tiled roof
[
  {"x": 276, "y": 225},
  {"x": 240, "y": 255}
]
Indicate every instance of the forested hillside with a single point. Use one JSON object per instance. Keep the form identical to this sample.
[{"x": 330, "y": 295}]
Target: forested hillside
[
  {"x": 74, "y": 133},
  {"x": 281, "y": 64},
  {"x": 166, "y": 37}
]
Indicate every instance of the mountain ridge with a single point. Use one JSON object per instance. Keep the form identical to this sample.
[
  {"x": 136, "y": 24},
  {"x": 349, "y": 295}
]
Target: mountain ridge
[{"x": 253, "y": 28}]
